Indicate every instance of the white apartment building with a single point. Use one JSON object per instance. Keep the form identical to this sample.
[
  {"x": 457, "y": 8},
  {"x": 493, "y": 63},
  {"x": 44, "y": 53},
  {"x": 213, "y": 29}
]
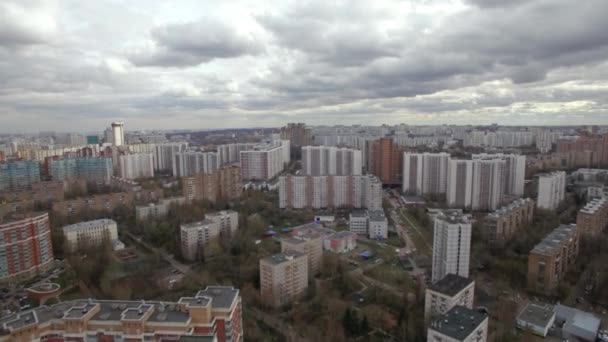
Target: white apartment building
[
  {"x": 545, "y": 138},
  {"x": 157, "y": 210},
  {"x": 90, "y": 233},
  {"x": 425, "y": 173},
  {"x": 476, "y": 184},
  {"x": 448, "y": 292},
  {"x": 137, "y": 165},
  {"x": 499, "y": 139},
  {"x": 194, "y": 237},
  {"x": 357, "y": 222},
  {"x": 330, "y": 191},
  {"x": 514, "y": 171},
  {"x": 283, "y": 278},
  {"x": 330, "y": 160},
  {"x": 118, "y": 133},
  {"x": 189, "y": 163},
  {"x": 460, "y": 324},
  {"x": 264, "y": 162},
  {"x": 451, "y": 246},
  {"x": 231, "y": 153},
  {"x": 551, "y": 189},
  {"x": 163, "y": 154},
  {"x": 372, "y": 223},
  {"x": 228, "y": 220},
  {"x": 459, "y": 183}
]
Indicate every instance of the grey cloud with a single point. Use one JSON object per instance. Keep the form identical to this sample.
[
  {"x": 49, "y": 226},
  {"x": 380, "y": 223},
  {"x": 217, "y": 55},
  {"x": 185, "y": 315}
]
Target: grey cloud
[
  {"x": 19, "y": 26},
  {"x": 193, "y": 43}
]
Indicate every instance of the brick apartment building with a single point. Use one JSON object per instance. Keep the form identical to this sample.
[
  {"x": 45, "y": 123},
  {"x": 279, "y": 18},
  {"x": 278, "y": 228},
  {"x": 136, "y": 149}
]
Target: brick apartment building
[
  {"x": 283, "y": 278},
  {"x": 550, "y": 259},
  {"x": 307, "y": 240},
  {"x": 103, "y": 202},
  {"x": 223, "y": 184},
  {"x": 386, "y": 161},
  {"x": 212, "y": 314},
  {"x": 501, "y": 225},
  {"x": 593, "y": 217}
]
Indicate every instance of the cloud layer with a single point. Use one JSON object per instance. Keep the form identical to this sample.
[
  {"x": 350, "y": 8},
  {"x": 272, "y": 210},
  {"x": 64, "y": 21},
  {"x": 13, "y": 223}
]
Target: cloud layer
[{"x": 263, "y": 63}]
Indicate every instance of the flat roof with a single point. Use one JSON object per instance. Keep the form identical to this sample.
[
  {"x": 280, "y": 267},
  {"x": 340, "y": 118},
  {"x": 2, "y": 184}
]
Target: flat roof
[
  {"x": 358, "y": 213},
  {"x": 453, "y": 217},
  {"x": 459, "y": 322},
  {"x": 191, "y": 225},
  {"x": 376, "y": 215},
  {"x": 538, "y": 314},
  {"x": 451, "y": 284},
  {"x": 280, "y": 258},
  {"x": 222, "y": 296},
  {"x": 87, "y": 224},
  {"x": 552, "y": 243},
  {"x": 293, "y": 240}
]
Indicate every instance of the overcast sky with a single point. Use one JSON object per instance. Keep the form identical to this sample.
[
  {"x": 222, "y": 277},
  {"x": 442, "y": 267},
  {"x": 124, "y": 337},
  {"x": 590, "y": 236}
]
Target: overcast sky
[{"x": 78, "y": 65}]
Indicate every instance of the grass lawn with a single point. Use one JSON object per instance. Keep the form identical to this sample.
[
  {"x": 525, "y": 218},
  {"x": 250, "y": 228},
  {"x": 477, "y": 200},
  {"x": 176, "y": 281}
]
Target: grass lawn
[{"x": 389, "y": 274}]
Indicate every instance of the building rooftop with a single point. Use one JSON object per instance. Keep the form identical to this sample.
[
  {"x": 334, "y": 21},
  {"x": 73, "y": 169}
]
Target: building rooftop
[
  {"x": 359, "y": 213},
  {"x": 552, "y": 243},
  {"x": 293, "y": 240},
  {"x": 280, "y": 258},
  {"x": 311, "y": 230},
  {"x": 451, "y": 284},
  {"x": 221, "y": 213},
  {"x": 88, "y": 224},
  {"x": 452, "y": 217},
  {"x": 593, "y": 206},
  {"x": 376, "y": 215},
  {"x": 538, "y": 314},
  {"x": 579, "y": 323},
  {"x": 198, "y": 224},
  {"x": 459, "y": 322},
  {"x": 222, "y": 296}
]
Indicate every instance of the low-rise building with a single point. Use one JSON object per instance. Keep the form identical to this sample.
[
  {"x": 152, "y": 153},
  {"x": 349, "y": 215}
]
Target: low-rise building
[
  {"x": 372, "y": 223},
  {"x": 448, "y": 292},
  {"x": 102, "y": 203},
  {"x": 550, "y": 259},
  {"x": 593, "y": 218},
  {"x": 283, "y": 278},
  {"x": 536, "y": 318},
  {"x": 340, "y": 242},
  {"x": 357, "y": 222},
  {"x": 459, "y": 324},
  {"x": 501, "y": 225},
  {"x": 576, "y": 325},
  {"x": 194, "y": 237},
  {"x": 157, "y": 210},
  {"x": 90, "y": 234},
  {"x": 212, "y": 314}
]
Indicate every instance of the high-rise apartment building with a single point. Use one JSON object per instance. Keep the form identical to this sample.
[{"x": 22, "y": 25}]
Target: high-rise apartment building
[
  {"x": 425, "y": 173},
  {"x": 19, "y": 175},
  {"x": 550, "y": 259},
  {"x": 213, "y": 314},
  {"x": 330, "y": 160},
  {"x": 330, "y": 191},
  {"x": 227, "y": 220},
  {"x": 451, "y": 246},
  {"x": 94, "y": 170},
  {"x": 514, "y": 171},
  {"x": 297, "y": 134},
  {"x": 487, "y": 184},
  {"x": 25, "y": 247},
  {"x": 593, "y": 217},
  {"x": 459, "y": 183},
  {"x": 264, "y": 162},
  {"x": 309, "y": 242},
  {"x": 163, "y": 154},
  {"x": 283, "y": 278},
  {"x": 551, "y": 189},
  {"x": 501, "y": 225},
  {"x": 137, "y": 165},
  {"x": 460, "y": 324},
  {"x": 189, "y": 163},
  {"x": 118, "y": 133},
  {"x": 386, "y": 161},
  {"x": 90, "y": 234},
  {"x": 231, "y": 153},
  {"x": 223, "y": 184},
  {"x": 448, "y": 292}
]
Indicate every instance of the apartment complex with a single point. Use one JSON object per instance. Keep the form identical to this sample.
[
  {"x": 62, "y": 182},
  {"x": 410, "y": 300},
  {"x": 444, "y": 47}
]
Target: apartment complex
[
  {"x": 283, "y": 278},
  {"x": 499, "y": 138},
  {"x": 550, "y": 259},
  {"x": 194, "y": 236},
  {"x": 460, "y": 324},
  {"x": 476, "y": 184},
  {"x": 386, "y": 161},
  {"x": 425, "y": 173},
  {"x": 157, "y": 210},
  {"x": 231, "y": 153},
  {"x": 19, "y": 175},
  {"x": 164, "y": 154},
  {"x": 330, "y": 160},
  {"x": 137, "y": 165},
  {"x": 309, "y": 242},
  {"x": 330, "y": 192},
  {"x": 212, "y": 314},
  {"x": 104, "y": 202},
  {"x": 297, "y": 134},
  {"x": 265, "y": 161},
  {"x": 501, "y": 225},
  {"x": 448, "y": 292},
  {"x": 25, "y": 247},
  {"x": 593, "y": 217},
  {"x": 93, "y": 170},
  {"x": 451, "y": 245},
  {"x": 40, "y": 192},
  {"x": 514, "y": 171},
  {"x": 189, "y": 163},
  {"x": 90, "y": 234},
  {"x": 551, "y": 189},
  {"x": 223, "y": 184}
]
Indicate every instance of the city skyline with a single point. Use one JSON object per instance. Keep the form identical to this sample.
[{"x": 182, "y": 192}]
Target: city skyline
[{"x": 245, "y": 64}]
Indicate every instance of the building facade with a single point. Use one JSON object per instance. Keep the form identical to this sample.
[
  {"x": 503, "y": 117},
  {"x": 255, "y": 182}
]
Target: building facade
[
  {"x": 386, "y": 161},
  {"x": 231, "y": 153},
  {"x": 223, "y": 184},
  {"x": 551, "y": 190},
  {"x": 93, "y": 170},
  {"x": 593, "y": 218},
  {"x": 103, "y": 203},
  {"x": 264, "y": 162},
  {"x": 425, "y": 173},
  {"x": 157, "y": 210},
  {"x": 340, "y": 242},
  {"x": 137, "y": 165},
  {"x": 283, "y": 278},
  {"x": 19, "y": 175},
  {"x": 501, "y": 225},
  {"x": 118, "y": 133},
  {"x": 297, "y": 134},
  {"x": 330, "y": 160},
  {"x": 194, "y": 237},
  {"x": 163, "y": 155},
  {"x": 189, "y": 163},
  {"x": 448, "y": 292},
  {"x": 330, "y": 192},
  {"x": 227, "y": 220},
  {"x": 90, "y": 234},
  {"x": 212, "y": 314},
  {"x": 549, "y": 260},
  {"x": 451, "y": 246},
  {"x": 26, "y": 249}
]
